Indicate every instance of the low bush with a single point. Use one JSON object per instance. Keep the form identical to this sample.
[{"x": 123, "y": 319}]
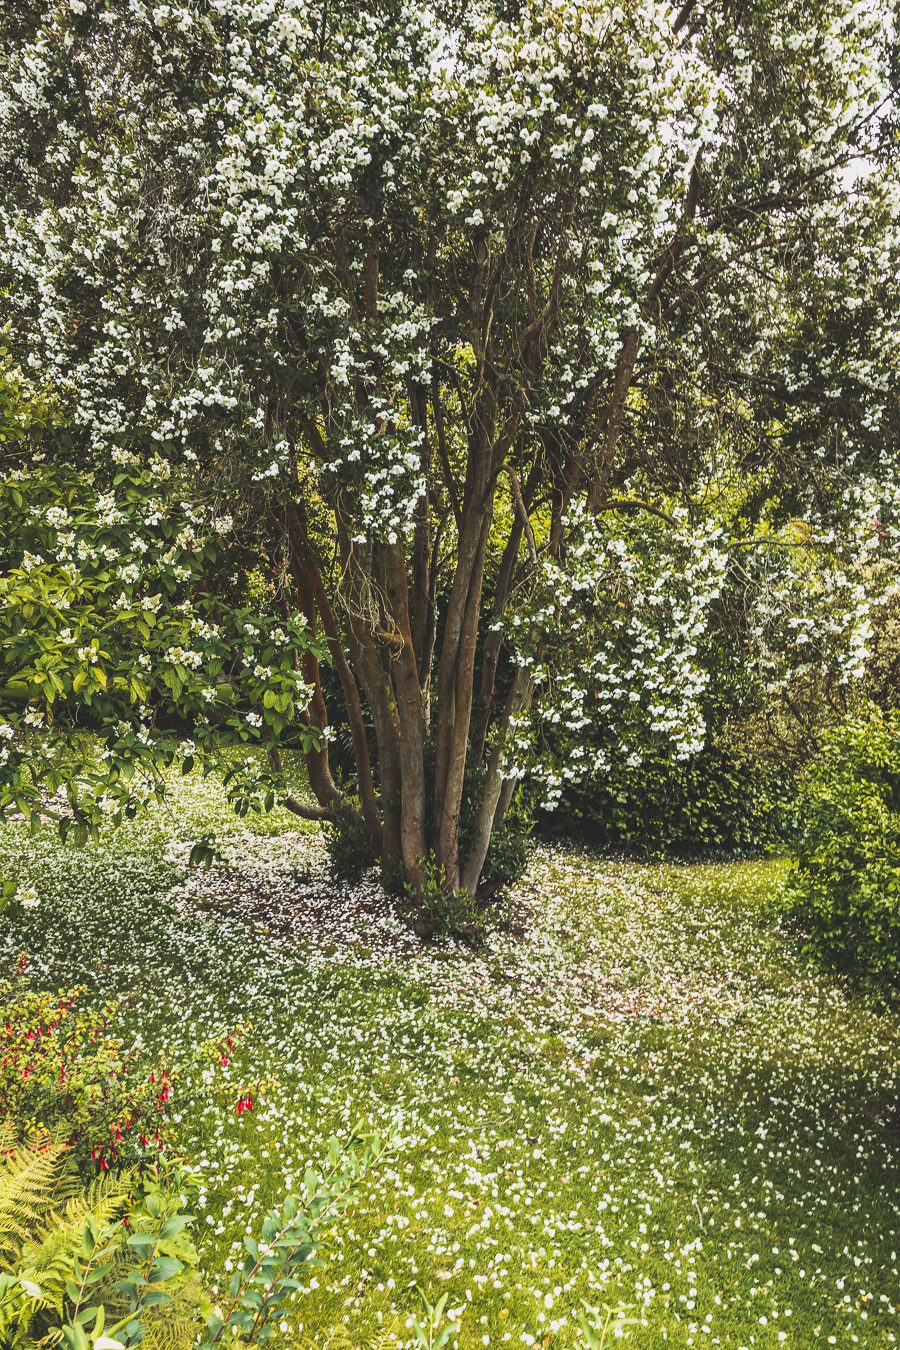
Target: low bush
[
  {"x": 62, "y": 1070},
  {"x": 64, "y": 1073},
  {"x": 347, "y": 844},
  {"x": 437, "y": 911},
  {"x": 719, "y": 803},
  {"x": 110, "y": 1265},
  {"x": 843, "y": 890},
  {"x": 277, "y": 1263}
]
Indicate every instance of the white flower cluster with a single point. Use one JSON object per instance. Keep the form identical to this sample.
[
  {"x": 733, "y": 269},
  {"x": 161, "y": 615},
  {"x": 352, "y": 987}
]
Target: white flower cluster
[
  {"x": 285, "y": 256},
  {"x": 630, "y": 619},
  {"x": 194, "y": 316}
]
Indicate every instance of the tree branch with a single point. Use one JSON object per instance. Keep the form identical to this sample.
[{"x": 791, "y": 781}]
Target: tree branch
[
  {"x": 634, "y": 503},
  {"x": 523, "y": 514}
]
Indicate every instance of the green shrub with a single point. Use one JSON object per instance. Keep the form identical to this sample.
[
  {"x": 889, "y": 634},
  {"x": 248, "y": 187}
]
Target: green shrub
[
  {"x": 438, "y": 911},
  {"x": 347, "y": 844},
  {"x": 110, "y": 1266},
  {"x": 733, "y": 798},
  {"x": 63, "y": 1072},
  {"x": 718, "y": 803},
  {"x": 843, "y": 890},
  {"x": 278, "y": 1263}
]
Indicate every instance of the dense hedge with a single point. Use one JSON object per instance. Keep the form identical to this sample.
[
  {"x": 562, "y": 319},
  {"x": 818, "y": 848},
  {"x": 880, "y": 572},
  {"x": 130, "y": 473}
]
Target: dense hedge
[
  {"x": 719, "y": 803},
  {"x": 843, "y": 891}
]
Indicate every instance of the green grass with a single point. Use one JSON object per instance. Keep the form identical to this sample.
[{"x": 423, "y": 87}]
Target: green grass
[{"x": 647, "y": 1098}]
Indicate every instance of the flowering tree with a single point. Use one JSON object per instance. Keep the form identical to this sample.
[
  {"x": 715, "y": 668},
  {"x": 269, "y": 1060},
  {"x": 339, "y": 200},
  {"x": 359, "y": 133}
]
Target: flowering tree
[{"x": 512, "y": 326}]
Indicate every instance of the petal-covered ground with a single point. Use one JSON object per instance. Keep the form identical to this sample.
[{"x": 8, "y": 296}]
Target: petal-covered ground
[{"x": 636, "y": 1092}]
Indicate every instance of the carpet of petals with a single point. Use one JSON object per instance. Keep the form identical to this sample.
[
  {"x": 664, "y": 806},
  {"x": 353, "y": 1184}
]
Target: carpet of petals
[{"x": 635, "y": 1092}]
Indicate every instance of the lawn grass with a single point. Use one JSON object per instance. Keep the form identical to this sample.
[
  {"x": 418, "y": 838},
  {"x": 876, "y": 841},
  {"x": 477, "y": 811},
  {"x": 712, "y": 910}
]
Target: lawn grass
[{"x": 636, "y": 1093}]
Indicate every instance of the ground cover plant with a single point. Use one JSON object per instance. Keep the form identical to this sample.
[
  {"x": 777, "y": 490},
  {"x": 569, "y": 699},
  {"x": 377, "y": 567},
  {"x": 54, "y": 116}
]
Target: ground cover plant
[{"x": 635, "y": 1092}]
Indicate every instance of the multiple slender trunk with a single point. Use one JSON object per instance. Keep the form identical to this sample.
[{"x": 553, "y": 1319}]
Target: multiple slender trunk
[{"x": 417, "y": 675}]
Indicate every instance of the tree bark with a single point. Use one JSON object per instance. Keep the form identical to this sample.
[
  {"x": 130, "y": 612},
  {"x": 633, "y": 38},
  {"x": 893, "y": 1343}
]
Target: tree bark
[
  {"x": 517, "y": 701},
  {"x": 411, "y": 723},
  {"x": 301, "y": 548},
  {"x": 372, "y": 664},
  {"x": 421, "y": 562},
  {"x": 493, "y": 642}
]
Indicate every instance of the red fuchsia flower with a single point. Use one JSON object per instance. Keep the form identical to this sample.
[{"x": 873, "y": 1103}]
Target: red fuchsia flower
[{"x": 244, "y": 1104}]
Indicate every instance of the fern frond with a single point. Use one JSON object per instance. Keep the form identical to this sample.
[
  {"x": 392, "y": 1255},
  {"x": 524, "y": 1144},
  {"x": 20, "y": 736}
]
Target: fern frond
[
  {"x": 385, "y": 1340},
  {"x": 29, "y": 1175},
  {"x": 17, "y": 1313},
  {"x": 336, "y": 1338},
  {"x": 47, "y": 1253},
  {"x": 47, "y": 1342},
  {"x": 173, "y": 1326}
]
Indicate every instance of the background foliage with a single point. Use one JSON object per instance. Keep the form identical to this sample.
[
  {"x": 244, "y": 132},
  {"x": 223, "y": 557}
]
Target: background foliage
[{"x": 843, "y": 890}]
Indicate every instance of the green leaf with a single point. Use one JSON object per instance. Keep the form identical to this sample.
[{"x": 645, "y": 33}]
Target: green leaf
[
  {"x": 155, "y": 1297},
  {"x": 75, "y": 1337},
  {"x": 163, "y": 1268},
  {"x": 100, "y": 1272}
]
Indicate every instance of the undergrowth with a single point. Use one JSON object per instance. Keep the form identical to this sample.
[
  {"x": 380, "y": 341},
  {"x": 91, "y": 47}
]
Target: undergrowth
[{"x": 638, "y": 1093}]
